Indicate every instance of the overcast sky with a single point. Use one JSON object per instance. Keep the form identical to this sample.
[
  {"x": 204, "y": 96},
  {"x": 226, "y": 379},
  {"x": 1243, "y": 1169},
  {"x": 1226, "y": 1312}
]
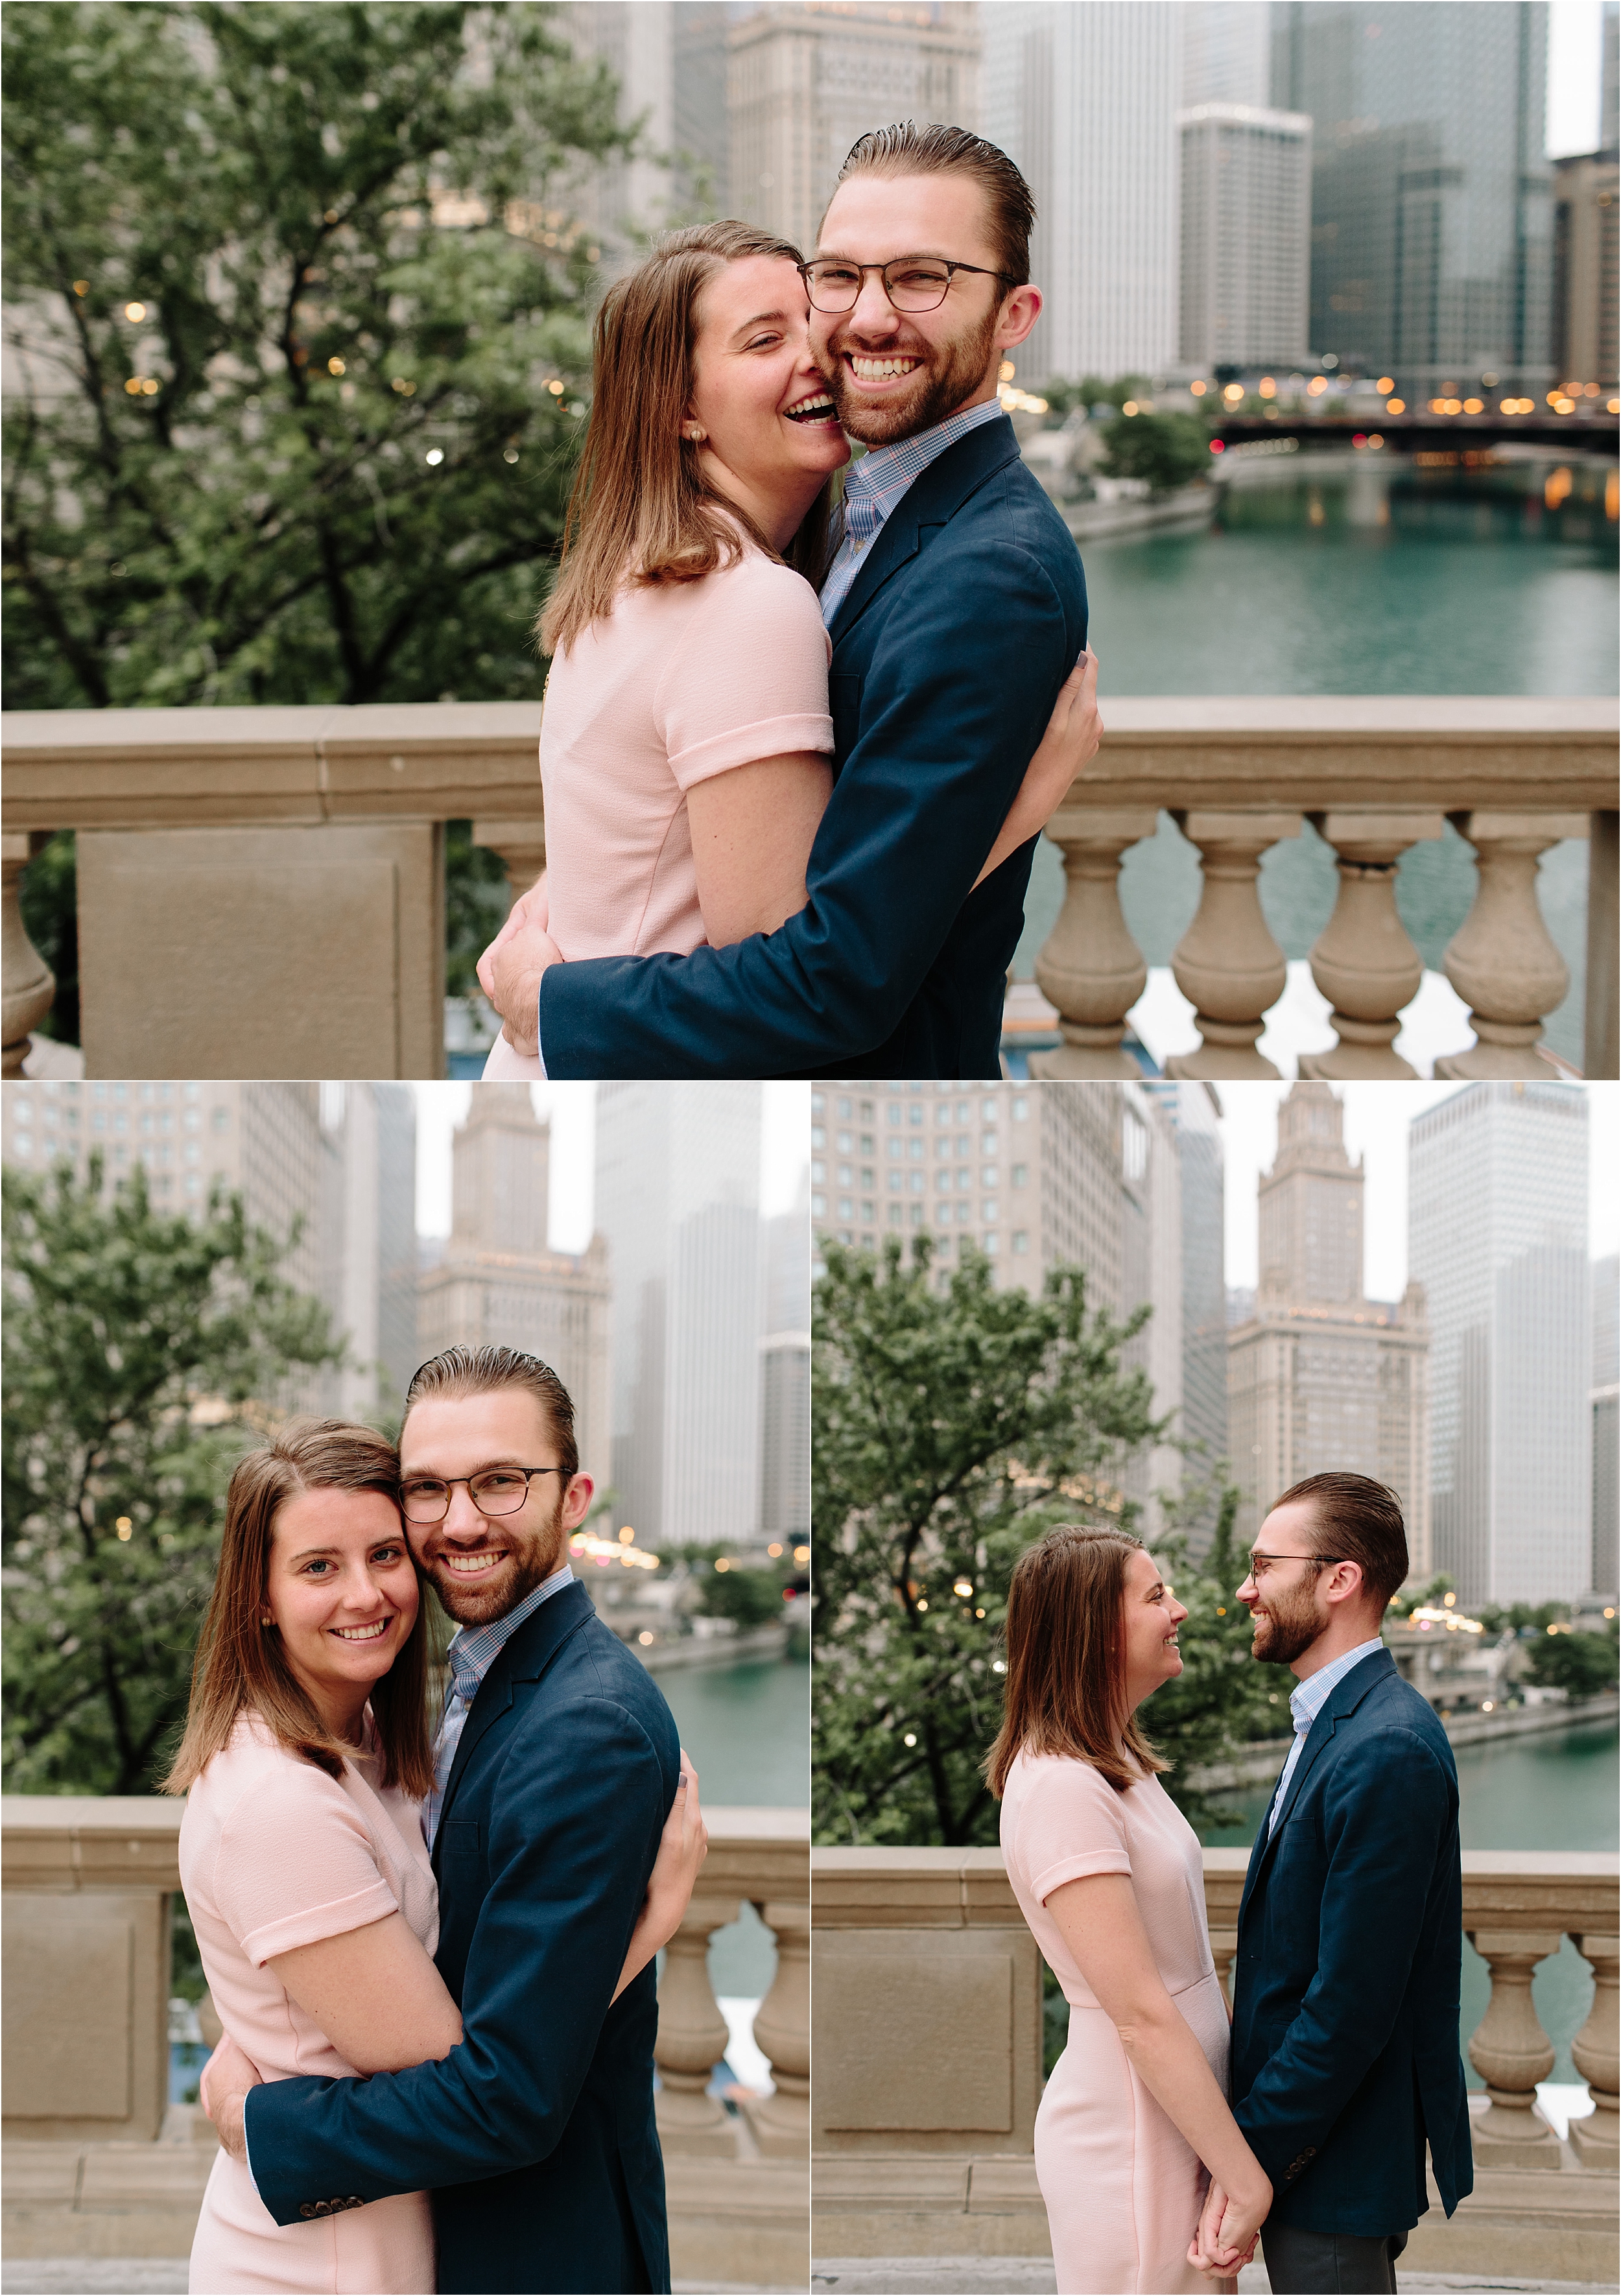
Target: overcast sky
[
  {"x": 1376, "y": 1117},
  {"x": 784, "y": 1145},
  {"x": 1574, "y": 43}
]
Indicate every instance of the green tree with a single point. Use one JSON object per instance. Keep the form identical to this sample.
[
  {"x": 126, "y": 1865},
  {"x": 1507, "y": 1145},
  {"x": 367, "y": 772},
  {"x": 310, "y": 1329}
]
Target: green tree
[
  {"x": 949, "y": 1429},
  {"x": 1583, "y": 1664},
  {"x": 1167, "y": 450},
  {"x": 143, "y": 1352},
  {"x": 286, "y": 288}
]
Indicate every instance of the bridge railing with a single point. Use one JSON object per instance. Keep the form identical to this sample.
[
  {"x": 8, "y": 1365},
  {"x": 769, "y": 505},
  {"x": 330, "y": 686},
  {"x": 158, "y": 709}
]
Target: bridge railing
[
  {"x": 97, "y": 2163},
  {"x": 928, "y": 2044},
  {"x": 261, "y": 891}
]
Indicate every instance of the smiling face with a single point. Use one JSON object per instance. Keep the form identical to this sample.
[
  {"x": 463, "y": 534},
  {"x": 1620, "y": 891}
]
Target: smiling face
[
  {"x": 1284, "y": 1593},
  {"x": 482, "y": 1566},
  {"x": 340, "y": 1590},
  {"x": 893, "y": 374},
  {"x": 1151, "y": 1615},
  {"x": 773, "y": 438}
]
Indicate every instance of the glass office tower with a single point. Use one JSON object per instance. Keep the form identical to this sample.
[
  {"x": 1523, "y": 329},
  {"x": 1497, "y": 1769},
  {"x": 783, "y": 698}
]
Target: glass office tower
[{"x": 1431, "y": 196}]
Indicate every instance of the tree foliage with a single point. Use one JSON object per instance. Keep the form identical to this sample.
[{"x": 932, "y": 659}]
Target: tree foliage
[
  {"x": 1581, "y": 1664},
  {"x": 1167, "y": 450},
  {"x": 286, "y": 284},
  {"x": 142, "y": 1353},
  {"x": 948, "y": 1431}
]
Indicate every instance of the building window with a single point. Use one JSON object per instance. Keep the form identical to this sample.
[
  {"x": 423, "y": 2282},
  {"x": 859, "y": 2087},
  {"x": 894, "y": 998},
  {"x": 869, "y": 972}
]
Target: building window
[
  {"x": 989, "y": 1145},
  {"x": 844, "y": 1111},
  {"x": 867, "y": 1111},
  {"x": 867, "y": 1213},
  {"x": 942, "y": 1179},
  {"x": 843, "y": 1176},
  {"x": 895, "y": 1211},
  {"x": 818, "y": 1135},
  {"x": 867, "y": 1181},
  {"x": 894, "y": 1112},
  {"x": 917, "y": 1215},
  {"x": 818, "y": 1103},
  {"x": 1022, "y": 1239},
  {"x": 987, "y": 1176},
  {"x": 1021, "y": 1173},
  {"x": 818, "y": 1168},
  {"x": 866, "y": 1144},
  {"x": 915, "y": 1149},
  {"x": 987, "y": 1211},
  {"x": 847, "y": 1210},
  {"x": 221, "y": 1120},
  {"x": 819, "y": 1207},
  {"x": 917, "y": 1184},
  {"x": 1022, "y": 1109},
  {"x": 989, "y": 1111},
  {"x": 867, "y": 1242}
]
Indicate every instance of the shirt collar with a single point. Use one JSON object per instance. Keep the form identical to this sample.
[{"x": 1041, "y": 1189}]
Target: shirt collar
[
  {"x": 882, "y": 468},
  {"x": 473, "y": 1650},
  {"x": 1307, "y": 1699}
]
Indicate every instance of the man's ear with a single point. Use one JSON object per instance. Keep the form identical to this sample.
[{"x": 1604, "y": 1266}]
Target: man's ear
[
  {"x": 1020, "y": 312},
  {"x": 576, "y": 1501}
]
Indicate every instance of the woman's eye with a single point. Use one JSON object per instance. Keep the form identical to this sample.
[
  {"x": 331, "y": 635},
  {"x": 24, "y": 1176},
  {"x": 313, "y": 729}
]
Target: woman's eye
[{"x": 387, "y": 1554}]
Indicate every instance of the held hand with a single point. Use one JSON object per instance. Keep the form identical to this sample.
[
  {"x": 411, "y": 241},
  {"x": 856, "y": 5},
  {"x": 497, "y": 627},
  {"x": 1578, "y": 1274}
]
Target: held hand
[
  {"x": 1227, "y": 2233},
  {"x": 1070, "y": 742},
  {"x": 517, "y": 964},
  {"x": 230, "y": 2121},
  {"x": 229, "y": 2071},
  {"x": 683, "y": 1847},
  {"x": 531, "y": 908}
]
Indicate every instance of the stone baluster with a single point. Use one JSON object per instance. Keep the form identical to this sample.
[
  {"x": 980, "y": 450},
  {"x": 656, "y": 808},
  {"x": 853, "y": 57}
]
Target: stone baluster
[
  {"x": 1090, "y": 967},
  {"x": 1223, "y": 1949},
  {"x": 1227, "y": 963},
  {"x": 1597, "y": 2060},
  {"x": 1500, "y": 960},
  {"x": 521, "y": 845},
  {"x": 693, "y": 2037},
  {"x": 29, "y": 986},
  {"x": 782, "y": 2028},
  {"x": 1364, "y": 961},
  {"x": 1511, "y": 2053}
]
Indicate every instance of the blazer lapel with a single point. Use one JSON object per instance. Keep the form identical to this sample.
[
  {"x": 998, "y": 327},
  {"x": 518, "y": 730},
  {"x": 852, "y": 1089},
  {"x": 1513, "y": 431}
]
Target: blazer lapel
[
  {"x": 1344, "y": 1699},
  {"x": 523, "y": 1658},
  {"x": 933, "y": 497}
]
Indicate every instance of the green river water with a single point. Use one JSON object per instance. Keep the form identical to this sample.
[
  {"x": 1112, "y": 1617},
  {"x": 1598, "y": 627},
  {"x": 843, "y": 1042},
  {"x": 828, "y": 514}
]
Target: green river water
[{"x": 1361, "y": 577}]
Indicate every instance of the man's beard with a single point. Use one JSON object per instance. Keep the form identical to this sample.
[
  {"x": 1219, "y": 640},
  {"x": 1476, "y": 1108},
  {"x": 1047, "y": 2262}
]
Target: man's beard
[
  {"x": 530, "y": 1559},
  {"x": 944, "y": 388},
  {"x": 1291, "y": 1626}
]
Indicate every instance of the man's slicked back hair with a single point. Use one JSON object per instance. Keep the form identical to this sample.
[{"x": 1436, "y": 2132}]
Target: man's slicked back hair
[
  {"x": 1359, "y": 1520},
  {"x": 908, "y": 150},
  {"x": 462, "y": 1372}
]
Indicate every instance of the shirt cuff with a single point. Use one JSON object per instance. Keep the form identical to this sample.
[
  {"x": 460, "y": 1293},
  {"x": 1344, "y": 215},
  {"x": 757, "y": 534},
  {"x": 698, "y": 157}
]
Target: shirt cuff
[
  {"x": 540, "y": 1053},
  {"x": 247, "y": 2155}
]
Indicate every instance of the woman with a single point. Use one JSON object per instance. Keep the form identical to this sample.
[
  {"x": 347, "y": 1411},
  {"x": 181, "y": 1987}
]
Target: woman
[
  {"x": 1108, "y": 1875},
  {"x": 304, "y": 1763},
  {"x": 687, "y": 746}
]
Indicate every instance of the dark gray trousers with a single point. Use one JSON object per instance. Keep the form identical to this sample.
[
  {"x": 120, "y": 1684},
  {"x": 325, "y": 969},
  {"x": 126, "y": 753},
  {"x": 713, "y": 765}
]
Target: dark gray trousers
[{"x": 1301, "y": 2263}]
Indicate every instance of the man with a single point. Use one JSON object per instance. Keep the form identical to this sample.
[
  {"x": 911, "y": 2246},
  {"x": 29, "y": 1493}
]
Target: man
[
  {"x": 1345, "y": 2022},
  {"x": 957, "y": 608},
  {"x": 556, "y": 1765}
]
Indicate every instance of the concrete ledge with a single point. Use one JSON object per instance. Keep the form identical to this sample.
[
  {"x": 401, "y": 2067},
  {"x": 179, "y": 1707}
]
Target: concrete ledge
[{"x": 739, "y": 2223}]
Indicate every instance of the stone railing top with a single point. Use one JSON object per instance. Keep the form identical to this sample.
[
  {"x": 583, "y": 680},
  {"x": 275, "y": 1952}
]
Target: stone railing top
[
  {"x": 969, "y": 1888},
  {"x": 150, "y": 768},
  {"x": 120, "y": 1841},
  {"x": 191, "y": 768}
]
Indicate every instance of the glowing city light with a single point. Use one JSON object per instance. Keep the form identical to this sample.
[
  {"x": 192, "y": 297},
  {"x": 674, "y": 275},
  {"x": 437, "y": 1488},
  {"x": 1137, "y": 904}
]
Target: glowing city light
[
  {"x": 135, "y": 312},
  {"x": 963, "y": 1587},
  {"x": 125, "y": 1527},
  {"x": 434, "y": 456}
]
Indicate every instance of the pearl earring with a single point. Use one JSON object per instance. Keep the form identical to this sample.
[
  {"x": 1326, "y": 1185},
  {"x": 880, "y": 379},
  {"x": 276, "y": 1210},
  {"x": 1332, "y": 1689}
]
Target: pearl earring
[{"x": 697, "y": 434}]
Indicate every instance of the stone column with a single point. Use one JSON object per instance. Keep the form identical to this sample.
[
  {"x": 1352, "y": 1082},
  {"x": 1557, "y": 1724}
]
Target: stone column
[
  {"x": 29, "y": 986},
  {"x": 1090, "y": 967},
  {"x": 1227, "y": 963},
  {"x": 1511, "y": 2053},
  {"x": 521, "y": 845},
  {"x": 1501, "y": 961},
  {"x": 1364, "y": 961},
  {"x": 693, "y": 2037},
  {"x": 782, "y": 2028},
  {"x": 1595, "y": 2052},
  {"x": 1223, "y": 1949}
]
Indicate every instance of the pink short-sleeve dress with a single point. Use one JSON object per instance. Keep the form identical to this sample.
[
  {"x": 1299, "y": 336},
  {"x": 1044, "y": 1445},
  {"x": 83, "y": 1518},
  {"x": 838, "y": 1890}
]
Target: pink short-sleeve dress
[
  {"x": 275, "y": 1854},
  {"x": 681, "y": 682},
  {"x": 1122, "y": 2185}
]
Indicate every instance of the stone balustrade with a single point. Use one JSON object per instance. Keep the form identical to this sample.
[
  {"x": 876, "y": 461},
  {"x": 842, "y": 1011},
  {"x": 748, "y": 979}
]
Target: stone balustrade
[
  {"x": 261, "y": 890},
  {"x": 927, "y": 2051},
  {"x": 1373, "y": 777},
  {"x": 97, "y": 2162}
]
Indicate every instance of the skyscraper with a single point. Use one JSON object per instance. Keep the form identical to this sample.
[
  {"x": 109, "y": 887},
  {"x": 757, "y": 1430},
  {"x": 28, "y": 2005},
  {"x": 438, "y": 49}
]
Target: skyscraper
[
  {"x": 498, "y": 1284},
  {"x": 1497, "y": 1209},
  {"x": 1319, "y": 1376},
  {"x": 1431, "y": 199},
  {"x": 785, "y": 1373},
  {"x": 368, "y": 1249},
  {"x": 621, "y": 197},
  {"x": 805, "y": 82},
  {"x": 1587, "y": 244},
  {"x": 1246, "y": 235},
  {"x": 1226, "y": 52},
  {"x": 1083, "y": 99},
  {"x": 677, "y": 1198},
  {"x": 1195, "y": 1111},
  {"x": 1605, "y": 1372}
]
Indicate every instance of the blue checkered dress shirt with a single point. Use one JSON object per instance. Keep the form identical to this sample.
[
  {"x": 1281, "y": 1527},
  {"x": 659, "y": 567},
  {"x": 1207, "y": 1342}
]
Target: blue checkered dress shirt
[
  {"x": 1307, "y": 1702},
  {"x": 877, "y": 483},
  {"x": 473, "y": 1651}
]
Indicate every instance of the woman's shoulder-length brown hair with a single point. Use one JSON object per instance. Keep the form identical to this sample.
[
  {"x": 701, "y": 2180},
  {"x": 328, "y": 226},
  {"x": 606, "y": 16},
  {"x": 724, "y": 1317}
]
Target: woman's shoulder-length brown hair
[
  {"x": 641, "y": 509},
  {"x": 1066, "y": 1658},
  {"x": 240, "y": 1664}
]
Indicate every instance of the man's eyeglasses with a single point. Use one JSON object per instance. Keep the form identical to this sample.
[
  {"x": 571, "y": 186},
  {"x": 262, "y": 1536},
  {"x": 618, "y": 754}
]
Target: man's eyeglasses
[
  {"x": 1263, "y": 1560},
  {"x": 912, "y": 282},
  {"x": 497, "y": 1490}
]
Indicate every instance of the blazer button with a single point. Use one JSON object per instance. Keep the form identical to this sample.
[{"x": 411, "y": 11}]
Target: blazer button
[{"x": 306, "y": 2208}]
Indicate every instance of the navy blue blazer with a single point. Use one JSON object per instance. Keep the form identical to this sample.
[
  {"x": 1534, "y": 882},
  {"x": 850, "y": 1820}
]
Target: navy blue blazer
[
  {"x": 535, "y": 2133},
  {"x": 1345, "y": 2020},
  {"x": 948, "y": 652}
]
